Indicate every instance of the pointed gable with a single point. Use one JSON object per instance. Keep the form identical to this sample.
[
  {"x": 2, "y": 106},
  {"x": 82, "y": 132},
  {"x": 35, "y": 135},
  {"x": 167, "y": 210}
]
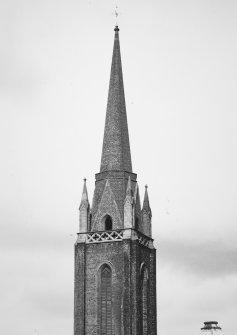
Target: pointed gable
[{"x": 107, "y": 207}]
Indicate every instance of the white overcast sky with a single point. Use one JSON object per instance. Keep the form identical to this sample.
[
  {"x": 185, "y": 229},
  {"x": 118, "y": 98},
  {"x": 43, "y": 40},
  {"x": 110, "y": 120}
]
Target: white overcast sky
[{"x": 180, "y": 77}]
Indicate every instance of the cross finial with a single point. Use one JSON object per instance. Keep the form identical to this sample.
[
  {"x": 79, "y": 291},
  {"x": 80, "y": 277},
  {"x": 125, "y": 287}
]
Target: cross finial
[{"x": 115, "y": 13}]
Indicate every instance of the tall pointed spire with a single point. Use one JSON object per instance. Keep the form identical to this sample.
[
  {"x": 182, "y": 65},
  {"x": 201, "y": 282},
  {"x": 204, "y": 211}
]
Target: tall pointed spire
[
  {"x": 116, "y": 148},
  {"x": 116, "y": 163},
  {"x": 115, "y": 259}
]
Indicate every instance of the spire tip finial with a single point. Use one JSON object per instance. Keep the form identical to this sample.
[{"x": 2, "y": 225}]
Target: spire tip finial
[{"x": 116, "y": 17}]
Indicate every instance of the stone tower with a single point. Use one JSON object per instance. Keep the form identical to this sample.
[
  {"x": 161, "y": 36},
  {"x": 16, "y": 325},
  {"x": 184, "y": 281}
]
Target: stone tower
[{"x": 115, "y": 260}]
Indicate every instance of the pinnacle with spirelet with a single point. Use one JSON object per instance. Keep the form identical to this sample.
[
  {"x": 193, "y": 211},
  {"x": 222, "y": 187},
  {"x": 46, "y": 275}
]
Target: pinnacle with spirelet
[
  {"x": 84, "y": 197},
  {"x": 84, "y": 210},
  {"x": 146, "y": 214},
  {"x": 146, "y": 204}
]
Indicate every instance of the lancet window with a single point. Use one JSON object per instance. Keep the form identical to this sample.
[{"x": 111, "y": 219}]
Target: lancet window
[
  {"x": 108, "y": 222},
  {"x": 144, "y": 292},
  {"x": 105, "y": 301}
]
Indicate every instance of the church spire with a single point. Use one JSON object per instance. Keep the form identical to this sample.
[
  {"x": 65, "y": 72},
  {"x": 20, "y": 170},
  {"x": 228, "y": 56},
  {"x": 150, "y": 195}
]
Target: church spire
[
  {"x": 116, "y": 149},
  {"x": 115, "y": 259}
]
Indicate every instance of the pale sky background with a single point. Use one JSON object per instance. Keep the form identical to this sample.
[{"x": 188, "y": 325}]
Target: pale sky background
[{"x": 180, "y": 76}]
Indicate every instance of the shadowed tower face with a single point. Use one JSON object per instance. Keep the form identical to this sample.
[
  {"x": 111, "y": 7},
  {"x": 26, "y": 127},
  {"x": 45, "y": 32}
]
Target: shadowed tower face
[{"x": 115, "y": 260}]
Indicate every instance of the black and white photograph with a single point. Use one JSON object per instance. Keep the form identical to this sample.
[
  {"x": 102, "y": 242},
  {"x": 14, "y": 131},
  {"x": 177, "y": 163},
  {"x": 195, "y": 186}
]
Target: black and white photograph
[{"x": 118, "y": 183}]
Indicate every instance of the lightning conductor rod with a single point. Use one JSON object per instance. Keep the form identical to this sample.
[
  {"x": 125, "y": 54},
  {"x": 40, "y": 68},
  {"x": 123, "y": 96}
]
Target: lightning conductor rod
[{"x": 116, "y": 14}]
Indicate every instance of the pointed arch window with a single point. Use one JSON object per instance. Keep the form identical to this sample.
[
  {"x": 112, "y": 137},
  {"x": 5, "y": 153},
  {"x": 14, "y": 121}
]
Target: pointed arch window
[
  {"x": 105, "y": 301},
  {"x": 144, "y": 292},
  {"x": 108, "y": 222}
]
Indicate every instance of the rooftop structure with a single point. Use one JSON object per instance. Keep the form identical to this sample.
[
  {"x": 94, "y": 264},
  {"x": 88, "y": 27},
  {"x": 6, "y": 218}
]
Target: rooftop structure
[{"x": 211, "y": 327}]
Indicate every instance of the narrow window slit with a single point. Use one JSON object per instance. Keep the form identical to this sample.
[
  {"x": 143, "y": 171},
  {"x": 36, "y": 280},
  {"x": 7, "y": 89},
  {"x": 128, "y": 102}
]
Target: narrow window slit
[
  {"x": 106, "y": 301},
  {"x": 108, "y": 223}
]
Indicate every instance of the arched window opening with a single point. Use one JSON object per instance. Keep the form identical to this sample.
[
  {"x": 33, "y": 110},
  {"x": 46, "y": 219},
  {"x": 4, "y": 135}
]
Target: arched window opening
[
  {"x": 108, "y": 223},
  {"x": 105, "y": 301},
  {"x": 144, "y": 302}
]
